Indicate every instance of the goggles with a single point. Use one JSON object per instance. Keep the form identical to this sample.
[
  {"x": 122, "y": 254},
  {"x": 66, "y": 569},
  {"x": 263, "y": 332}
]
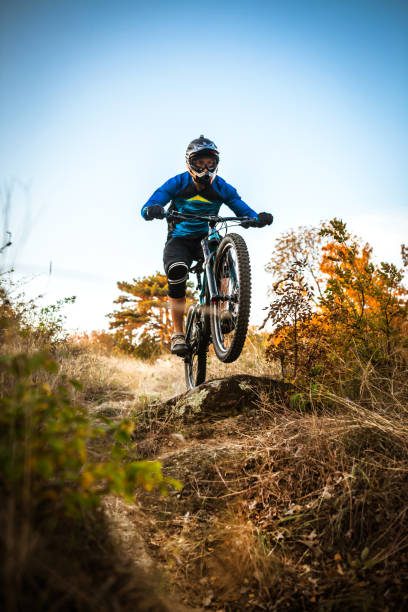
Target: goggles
[{"x": 201, "y": 166}]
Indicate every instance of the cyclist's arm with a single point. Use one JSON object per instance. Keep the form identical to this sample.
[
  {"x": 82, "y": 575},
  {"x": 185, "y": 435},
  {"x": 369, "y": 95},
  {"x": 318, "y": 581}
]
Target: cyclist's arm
[
  {"x": 163, "y": 194},
  {"x": 233, "y": 200}
]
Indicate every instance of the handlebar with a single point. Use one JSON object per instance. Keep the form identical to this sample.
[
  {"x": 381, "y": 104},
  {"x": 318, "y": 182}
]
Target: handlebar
[{"x": 212, "y": 219}]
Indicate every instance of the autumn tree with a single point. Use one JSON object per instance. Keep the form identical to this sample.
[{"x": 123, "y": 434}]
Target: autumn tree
[
  {"x": 295, "y": 268},
  {"x": 303, "y": 246},
  {"x": 290, "y": 310},
  {"x": 404, "y": 255},
  {"x": 99, "y": 340},
  {"x": 354, "y": 315},
  {"x": 364, "y": 301}
]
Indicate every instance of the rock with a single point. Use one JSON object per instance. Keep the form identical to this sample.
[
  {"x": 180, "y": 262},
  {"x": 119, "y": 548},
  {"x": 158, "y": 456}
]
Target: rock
[{"x": 225, "y": 396}]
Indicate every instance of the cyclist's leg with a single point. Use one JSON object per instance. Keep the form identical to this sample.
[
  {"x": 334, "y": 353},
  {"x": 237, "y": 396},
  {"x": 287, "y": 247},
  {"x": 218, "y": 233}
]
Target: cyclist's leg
[{"x": 177, "y": 260}]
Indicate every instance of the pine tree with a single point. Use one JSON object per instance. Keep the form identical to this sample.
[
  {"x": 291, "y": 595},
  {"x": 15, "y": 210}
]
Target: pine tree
[{"x": 143, "y": 317}]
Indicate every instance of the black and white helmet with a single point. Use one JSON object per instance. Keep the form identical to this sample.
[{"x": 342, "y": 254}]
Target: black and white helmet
[{"x": 202, "y": 147}]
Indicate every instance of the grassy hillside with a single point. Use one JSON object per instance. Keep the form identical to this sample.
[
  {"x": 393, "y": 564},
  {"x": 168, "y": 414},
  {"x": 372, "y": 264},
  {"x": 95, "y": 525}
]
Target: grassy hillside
[
  {"x": 281, "y": 484},
  {"x": 283, "y": 506}
]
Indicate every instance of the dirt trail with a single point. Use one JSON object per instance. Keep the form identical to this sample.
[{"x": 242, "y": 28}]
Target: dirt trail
[
  {"x": 208, "y": 439},
  {"x": 272, "y": 514}
]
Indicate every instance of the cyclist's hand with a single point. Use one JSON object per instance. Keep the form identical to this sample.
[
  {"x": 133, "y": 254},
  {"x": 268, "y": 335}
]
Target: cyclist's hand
[
  {"x": 261, "y": 220},
  {"x": 249, "y": 223},
  {"x": 155, "y": 212},
  {"x": 264, "y": 218}
]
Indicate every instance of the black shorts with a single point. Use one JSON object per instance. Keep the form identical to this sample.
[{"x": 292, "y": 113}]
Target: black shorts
[{"x": 179, "y": 254}]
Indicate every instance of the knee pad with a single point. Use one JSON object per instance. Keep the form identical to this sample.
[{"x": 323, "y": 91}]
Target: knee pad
[{"x": 177, "y": 275}]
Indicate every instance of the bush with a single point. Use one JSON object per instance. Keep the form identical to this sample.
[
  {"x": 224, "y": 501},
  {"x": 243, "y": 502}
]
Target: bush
[
  {"x": 56, "y": 465},
  {"x": 44, "y": 442},
  {"x": 339, "y": 319},
  {"x": 24, "y": 325}
]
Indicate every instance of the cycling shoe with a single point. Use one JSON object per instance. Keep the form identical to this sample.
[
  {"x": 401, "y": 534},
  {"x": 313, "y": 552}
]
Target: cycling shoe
[{"x": 178, "y": 344}]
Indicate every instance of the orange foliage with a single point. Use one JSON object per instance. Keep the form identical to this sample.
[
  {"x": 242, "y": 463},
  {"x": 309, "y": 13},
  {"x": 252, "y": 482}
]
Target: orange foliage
[
  {"x": 356, "y": 309},
  {"x": 102, "y": 341}
]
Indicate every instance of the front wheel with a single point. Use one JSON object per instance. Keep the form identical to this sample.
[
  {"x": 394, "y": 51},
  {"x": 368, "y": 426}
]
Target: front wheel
[
  {"x": 230, "y": 313},
  {"x": 195, "y": 363}
]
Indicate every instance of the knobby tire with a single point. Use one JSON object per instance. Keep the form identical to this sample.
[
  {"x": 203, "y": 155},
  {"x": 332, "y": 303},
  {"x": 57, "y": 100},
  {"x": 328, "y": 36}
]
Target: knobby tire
[
  {"x": 228, "y": 347},
  {"x": 195, "y": 365}
]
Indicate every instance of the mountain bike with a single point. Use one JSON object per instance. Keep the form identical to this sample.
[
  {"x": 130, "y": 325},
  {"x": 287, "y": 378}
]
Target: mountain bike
[{"x": 221, "y": 314}]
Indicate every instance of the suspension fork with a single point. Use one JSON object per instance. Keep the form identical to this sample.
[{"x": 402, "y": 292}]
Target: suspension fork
[{"x": 208, "y": 256}]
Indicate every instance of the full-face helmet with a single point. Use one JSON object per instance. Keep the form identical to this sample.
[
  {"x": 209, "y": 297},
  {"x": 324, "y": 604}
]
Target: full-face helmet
[{"x": 199, "y": 148}]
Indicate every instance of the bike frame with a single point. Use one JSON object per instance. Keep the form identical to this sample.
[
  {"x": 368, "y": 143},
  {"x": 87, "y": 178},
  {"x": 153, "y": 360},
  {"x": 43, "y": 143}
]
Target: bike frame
[
  {"x": 205, "y": 276},
  {"x": 205, "y": 271},
  {"x": 208, "y": 266}
]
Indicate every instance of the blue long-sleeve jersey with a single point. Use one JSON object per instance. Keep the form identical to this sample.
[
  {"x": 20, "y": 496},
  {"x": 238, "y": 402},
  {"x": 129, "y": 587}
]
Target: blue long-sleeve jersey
[{"x": 185, "y": 198}]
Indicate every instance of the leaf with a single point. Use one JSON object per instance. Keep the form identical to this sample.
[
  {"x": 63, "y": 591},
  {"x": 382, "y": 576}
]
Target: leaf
[
  {"x": 122, "y": 436},
  {"x": 290, "y": 518},
  {"x": 76, "y": 384}
]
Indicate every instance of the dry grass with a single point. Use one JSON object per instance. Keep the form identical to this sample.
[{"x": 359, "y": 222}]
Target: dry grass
[
  {"x": 89, "y": 561},
  {"x": 251, "y": 361},
  {"x": 283, "y": 509},
  {"x": 77, "y": 564},
  {"x": 110, "y": 377}
]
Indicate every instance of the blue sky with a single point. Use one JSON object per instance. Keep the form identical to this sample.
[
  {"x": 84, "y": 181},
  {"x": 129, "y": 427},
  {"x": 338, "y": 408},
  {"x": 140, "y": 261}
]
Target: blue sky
[{"x": 307, "y": 101}]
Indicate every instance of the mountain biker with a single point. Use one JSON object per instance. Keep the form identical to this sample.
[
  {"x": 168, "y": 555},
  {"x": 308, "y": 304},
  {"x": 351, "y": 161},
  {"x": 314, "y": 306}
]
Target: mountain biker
[{"x": 199, "y": 191}]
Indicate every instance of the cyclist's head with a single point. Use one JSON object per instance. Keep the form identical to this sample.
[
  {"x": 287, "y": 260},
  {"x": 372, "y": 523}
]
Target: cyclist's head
[{"x": 202, "y": 159}]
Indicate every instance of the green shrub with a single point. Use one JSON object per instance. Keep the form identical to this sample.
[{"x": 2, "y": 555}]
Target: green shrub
[{"x": 44, "y": 440}]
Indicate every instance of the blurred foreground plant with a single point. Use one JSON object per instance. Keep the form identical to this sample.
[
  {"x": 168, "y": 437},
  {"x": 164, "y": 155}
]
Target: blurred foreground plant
[{"x": 43, "y": 445}]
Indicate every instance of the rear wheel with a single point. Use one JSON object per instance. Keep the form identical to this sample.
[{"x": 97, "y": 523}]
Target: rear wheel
[
  {"x": 230, "y": 315},
  {"x": 195, "y": 363}
]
